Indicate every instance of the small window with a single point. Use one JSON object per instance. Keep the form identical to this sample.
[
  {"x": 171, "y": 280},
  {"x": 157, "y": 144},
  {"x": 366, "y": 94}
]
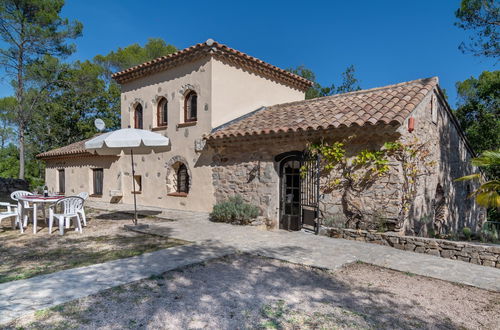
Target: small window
[
  {"x": 62, "y": 182},
  {"x": 138, "y": 116},
  {"x": 191, "y": 107},
  {"x": 182, "y": 179},
  {"x": 162, "y": 113},
  {"x": 138, "y": 183},
  {"x": 434, "y": 109},
  {"x": 98, "y": 181}
]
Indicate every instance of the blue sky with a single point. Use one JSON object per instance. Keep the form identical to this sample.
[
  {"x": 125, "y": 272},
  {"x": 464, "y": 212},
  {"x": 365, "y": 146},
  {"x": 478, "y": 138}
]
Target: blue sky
[{"x": 388, "y": 41}]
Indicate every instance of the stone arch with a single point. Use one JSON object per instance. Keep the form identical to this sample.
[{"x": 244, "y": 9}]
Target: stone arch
[
  {"x": 172, "y": 166},
  {"x": 131, "y": 110},
  {"x": 185, "y": 89}
]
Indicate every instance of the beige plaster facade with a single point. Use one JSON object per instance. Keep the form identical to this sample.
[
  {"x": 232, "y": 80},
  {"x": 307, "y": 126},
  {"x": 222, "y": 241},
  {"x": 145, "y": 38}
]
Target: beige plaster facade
[
  {"x": 224, "y": 92},
  {"x": 247, "y": 166}
]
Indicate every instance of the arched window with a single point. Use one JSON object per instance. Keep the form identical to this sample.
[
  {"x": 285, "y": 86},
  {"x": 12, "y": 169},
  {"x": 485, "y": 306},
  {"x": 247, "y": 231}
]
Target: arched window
[
  {"x": 138, "y": 116},
  {"x": 182, "y": 179},
  {"x": 191, "y": 107},
  {"x": 162, "y": 113}
]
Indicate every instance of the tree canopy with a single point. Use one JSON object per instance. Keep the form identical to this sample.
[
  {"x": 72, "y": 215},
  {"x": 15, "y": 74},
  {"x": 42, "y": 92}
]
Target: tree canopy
[
  {"x": 479, "y": 110},
  {"x": 349, "y": 82},
  {"x": 482, "y": 18},
  {"x": 31, "y": 29}
]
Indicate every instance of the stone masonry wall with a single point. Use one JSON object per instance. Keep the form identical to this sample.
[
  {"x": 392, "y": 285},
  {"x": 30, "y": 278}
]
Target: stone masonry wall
[
  {"x": 7, "y": 186},
  {"x": 441, "y": 204},
  {"x": 248, "y": 168},
  {"x": 487, "y": 255}
]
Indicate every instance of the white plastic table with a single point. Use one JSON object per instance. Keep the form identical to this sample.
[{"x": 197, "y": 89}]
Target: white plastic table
[{"x": 39, "y": 199}]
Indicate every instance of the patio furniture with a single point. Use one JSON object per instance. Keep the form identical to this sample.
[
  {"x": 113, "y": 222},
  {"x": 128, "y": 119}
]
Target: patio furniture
[
  {"x": 35, "y": 200},
  {"x": 23, "y": 207},
  {"x": 128, "y": 139},
  {"x": 11, "y": 213},
  {"x": 83, "y": 195},
  {"x": 70, "y": 208}
]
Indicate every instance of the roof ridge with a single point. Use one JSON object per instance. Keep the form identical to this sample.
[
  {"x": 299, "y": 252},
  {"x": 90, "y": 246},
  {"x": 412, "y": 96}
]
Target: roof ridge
[
  {"x": 359, "y": 92},
  {"x": 210, "y": 47}
]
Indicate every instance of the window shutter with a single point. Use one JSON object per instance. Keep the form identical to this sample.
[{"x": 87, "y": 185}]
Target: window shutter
[
  {"x": 98, "y": 180},
  {"x": 62, "y": 182}
]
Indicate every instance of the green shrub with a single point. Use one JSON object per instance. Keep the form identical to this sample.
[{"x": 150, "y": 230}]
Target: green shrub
[
  {"x": 234, "y": 210},
  {"x": 467, "y": 233}
]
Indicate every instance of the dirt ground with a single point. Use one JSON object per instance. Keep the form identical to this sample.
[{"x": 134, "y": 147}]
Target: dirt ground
[
  {"x": 243, "y": 291},
  {"x": 104, "y": 239}
]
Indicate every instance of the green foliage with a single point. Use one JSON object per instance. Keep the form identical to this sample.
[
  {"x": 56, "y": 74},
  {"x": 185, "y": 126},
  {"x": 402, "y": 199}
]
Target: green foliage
[
  {"x": 7, "y": 108},
  {"x": 482, "y": 17},
  {"x": 132, "y": 55},
  {"x": 349, "y": 82},
  {"x": 30, "y": 30},
  {"x": 354, "y": 173},
  {"x": 490, "y": 232},
  {"x": 488, "y": 194},
  {"x": 234, "y": 210},
  {"x": 479, "y": 110},
  {"x": 467, "y": 233}
]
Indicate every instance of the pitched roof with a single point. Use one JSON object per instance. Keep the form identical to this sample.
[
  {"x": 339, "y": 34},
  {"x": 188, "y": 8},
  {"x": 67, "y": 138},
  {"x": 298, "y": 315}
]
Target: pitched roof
[
  {"x": 219, "y": 51},
  {"x": 74, "y": 149},
  {"x": 383, "y": 105}
]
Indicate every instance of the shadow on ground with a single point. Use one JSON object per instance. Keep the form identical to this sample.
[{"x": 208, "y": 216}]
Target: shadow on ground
[{"x": 242, "y": 291}]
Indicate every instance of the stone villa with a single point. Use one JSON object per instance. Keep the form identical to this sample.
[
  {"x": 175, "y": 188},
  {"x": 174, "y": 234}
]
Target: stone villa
[{"x": 239, "y": 126}]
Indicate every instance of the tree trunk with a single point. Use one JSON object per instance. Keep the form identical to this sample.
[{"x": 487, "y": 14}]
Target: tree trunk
[
  {"x": 20, "y": 109},
  {"x": 21, "y": 151}
]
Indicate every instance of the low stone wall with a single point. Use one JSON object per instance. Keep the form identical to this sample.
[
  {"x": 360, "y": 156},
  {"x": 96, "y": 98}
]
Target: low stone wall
[
  {"x": 7, "y": 186},
  {"x": 486, "y": 255}
]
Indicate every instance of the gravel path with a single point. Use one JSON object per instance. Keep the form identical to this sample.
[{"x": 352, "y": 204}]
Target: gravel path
[{"x": 243, "y": 291}]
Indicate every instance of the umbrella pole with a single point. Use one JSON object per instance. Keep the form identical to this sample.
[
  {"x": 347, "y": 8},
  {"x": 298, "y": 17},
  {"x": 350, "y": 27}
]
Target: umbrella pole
[{"x": 133, "y": 184}]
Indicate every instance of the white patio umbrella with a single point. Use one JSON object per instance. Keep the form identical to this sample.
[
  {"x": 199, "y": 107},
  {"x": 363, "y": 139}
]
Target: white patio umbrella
[{"x": 127, "y": 139}]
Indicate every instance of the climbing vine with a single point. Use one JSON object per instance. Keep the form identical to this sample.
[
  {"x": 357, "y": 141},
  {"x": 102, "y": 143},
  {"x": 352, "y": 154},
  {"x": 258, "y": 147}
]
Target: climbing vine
[{"x": 353, "y": 174}]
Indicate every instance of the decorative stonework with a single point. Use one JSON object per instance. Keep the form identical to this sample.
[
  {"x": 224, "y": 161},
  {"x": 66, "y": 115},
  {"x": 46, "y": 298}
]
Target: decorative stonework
[
  {"x": 481, "y": 254},
  {"x": 188, "y": 87},
  {"x": 172, "y": 166}
]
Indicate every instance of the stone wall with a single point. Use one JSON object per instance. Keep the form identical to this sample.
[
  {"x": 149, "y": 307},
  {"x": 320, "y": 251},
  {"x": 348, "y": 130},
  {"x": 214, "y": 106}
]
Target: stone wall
[
  {"x": 246, "y": 166},
  {"x": 481, "y": 254},
  {"x": 7, "y": 186}
]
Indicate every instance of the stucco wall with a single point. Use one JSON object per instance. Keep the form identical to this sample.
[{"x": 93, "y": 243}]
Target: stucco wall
[
  {"x": 237, "y": 91},
  {"x": 78, "y": 175}
]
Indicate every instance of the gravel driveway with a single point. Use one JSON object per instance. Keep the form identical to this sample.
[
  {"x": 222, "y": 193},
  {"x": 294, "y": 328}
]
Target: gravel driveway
[{"x": 244, "y": 291}]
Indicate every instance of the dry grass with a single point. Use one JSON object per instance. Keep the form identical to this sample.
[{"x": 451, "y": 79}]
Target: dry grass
[
  {"x": 243, "y": 291},
  {"x": 26, "y": 255}
]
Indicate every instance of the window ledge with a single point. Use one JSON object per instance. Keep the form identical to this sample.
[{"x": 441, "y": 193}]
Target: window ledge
[
  {"x": 159, "y": 128},
  {"x": 136, "y": 192},
  {"x": 178, "y": 194},
  {"x": 186, "y": 124},
  {"x": 96, "y": 196}
]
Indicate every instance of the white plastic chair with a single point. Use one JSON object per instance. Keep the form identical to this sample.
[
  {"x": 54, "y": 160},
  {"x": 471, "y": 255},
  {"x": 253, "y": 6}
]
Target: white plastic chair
[
  {"x": 11, "y": 213},
  {"x": 83, "y": 195},
  {"x": 23, "y": 207},
  {"x": 70, "y": 208}
]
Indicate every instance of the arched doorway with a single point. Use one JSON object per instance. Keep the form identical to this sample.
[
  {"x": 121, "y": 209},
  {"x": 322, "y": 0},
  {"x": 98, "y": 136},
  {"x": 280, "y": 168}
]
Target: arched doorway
[
  {"x": 290, "y": 182},
  {"x": 299, "y": 191}
]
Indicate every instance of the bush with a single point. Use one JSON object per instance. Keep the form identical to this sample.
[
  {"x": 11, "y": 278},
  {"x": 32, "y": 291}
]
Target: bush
[
  {"x": 467, "y": 233},
  {"x": 234, "y": 210}
]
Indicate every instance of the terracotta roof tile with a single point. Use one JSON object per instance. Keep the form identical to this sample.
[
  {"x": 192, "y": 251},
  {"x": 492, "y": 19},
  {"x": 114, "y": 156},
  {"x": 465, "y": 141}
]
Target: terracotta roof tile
[
  {"x": 389, "y": 105},
  {"x": 219, "y": 51},
  {"x": 74, "y": 149}
]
